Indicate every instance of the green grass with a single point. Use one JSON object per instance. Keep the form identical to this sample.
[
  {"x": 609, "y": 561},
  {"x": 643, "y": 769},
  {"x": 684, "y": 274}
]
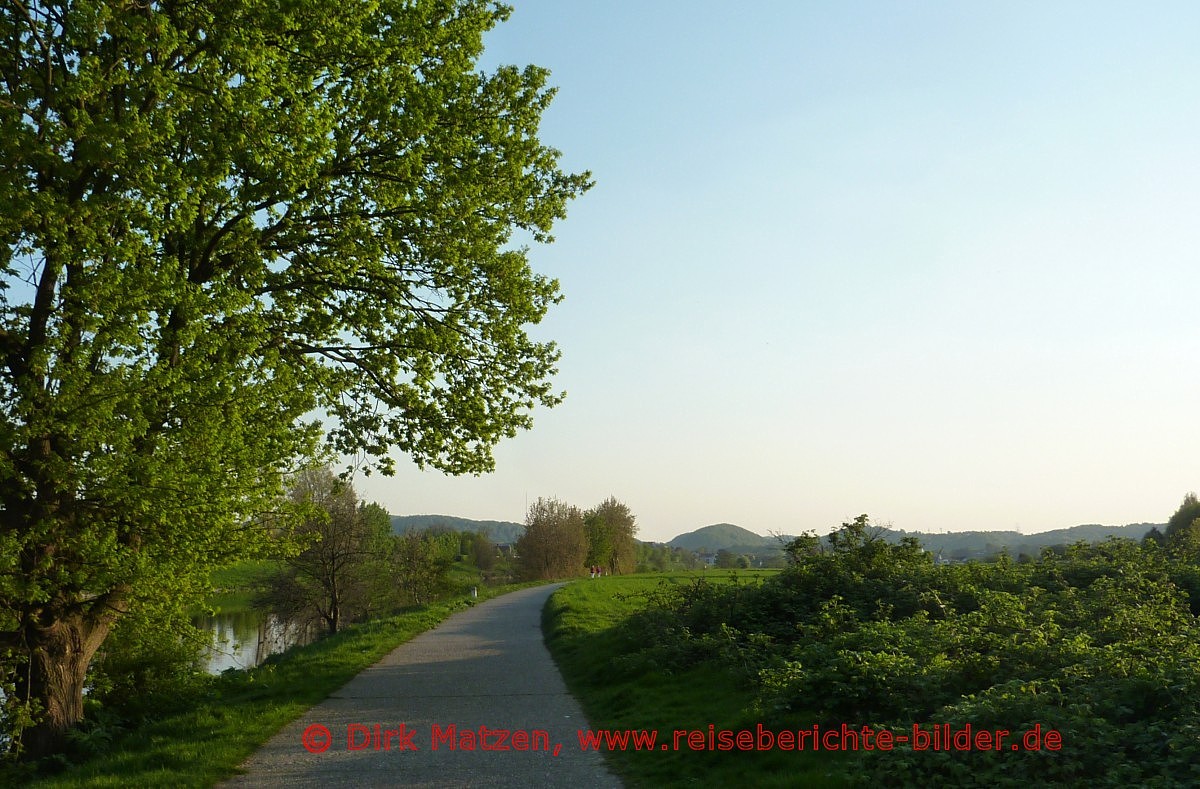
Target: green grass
[
  {"x": 237, "y": 584},
  {"x": 200, "y": 736},
  {"x": 581, "y": 623}
]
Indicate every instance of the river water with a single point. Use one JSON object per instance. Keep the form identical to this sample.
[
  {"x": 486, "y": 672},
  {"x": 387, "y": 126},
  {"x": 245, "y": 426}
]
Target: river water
[{"x": 247, "y": 638}]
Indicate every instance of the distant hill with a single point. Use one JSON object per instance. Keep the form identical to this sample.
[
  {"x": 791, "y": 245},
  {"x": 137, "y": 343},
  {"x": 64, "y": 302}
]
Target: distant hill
[
  {"x": 980, "y": 544},
  {"x": 497, "y": 531},
  {"x": 959, "y": 546},
  {"x": 725, "y": 536}
]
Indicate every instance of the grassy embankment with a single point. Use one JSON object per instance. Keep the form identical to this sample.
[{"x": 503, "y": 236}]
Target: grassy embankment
[
  {"x": 597, "y": 656},
  {"x": 237, "y": 584},
  {"x": 198, "y": 737}
]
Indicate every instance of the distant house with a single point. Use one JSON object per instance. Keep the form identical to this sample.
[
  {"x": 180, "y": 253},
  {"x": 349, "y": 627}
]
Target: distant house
[{"x": 709, "y": 559}]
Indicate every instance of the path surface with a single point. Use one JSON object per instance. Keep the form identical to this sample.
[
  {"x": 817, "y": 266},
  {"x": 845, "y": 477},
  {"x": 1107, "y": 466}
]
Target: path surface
[{"x": 486, "y": 666}]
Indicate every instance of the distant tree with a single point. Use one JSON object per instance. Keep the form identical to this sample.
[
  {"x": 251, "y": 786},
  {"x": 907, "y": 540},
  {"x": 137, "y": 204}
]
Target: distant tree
[
  {"x": 599, "y": 539},
  {"x": 801, "y": 546},
  {"x": 332, "y": 577},
  {"x": 726, "y": 559},
  {"x": 376, "y": 574},
  {"x": 420, "y": 561},
  {"x": 483, "y": 552},
  {"x": 857, "y": 535},
  {"x": 555, "y": 543},
  {"x": 1183, "y": 529},
  {"x": 610, "y": 531},
  {"x": 1154, "y": 537},
  {"x": 651, "y": 557}
]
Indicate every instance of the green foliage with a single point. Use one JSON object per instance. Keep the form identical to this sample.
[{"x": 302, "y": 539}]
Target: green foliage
[
  {"x": 1183, "y": 529},
  {"x": 1185, "y": 516},
  {"x": 610, "y": 528},
  {"x": 726, "y": 560},
  {"x": 555, "y": 543},
  {"x": 217, "y": 220},
  {"x": 604, "y": 640},
  {"x": 196, "y": 736},
  {"x": 419, "y": 563},
  {"x": 656, "y": 557},
  {"x": 337, "y": 577},
  {"x": 147, "y": 656},
  {"x": 482, "y": 551},
  {"x": 1098, "y": 643}
]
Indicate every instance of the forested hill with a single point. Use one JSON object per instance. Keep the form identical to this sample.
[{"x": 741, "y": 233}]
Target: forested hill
[
  {"x": 496, "y": 531},
  {"x": 725, "y": 536},
  {"x": 979, "y": 544},
  {"x": 951, "y": 545}
]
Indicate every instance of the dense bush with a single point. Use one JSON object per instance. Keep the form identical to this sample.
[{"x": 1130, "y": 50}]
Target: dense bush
[{"x": 1098, "y": 643}]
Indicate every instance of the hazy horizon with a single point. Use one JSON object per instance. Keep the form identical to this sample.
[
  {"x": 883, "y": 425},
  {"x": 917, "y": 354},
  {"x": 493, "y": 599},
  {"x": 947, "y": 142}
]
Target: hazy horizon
[{"x": 792, "y": 534}]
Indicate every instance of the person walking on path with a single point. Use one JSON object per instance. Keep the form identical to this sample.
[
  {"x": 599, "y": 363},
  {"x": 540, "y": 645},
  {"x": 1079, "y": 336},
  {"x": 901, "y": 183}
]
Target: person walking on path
[{"x": 475, "y": 702}]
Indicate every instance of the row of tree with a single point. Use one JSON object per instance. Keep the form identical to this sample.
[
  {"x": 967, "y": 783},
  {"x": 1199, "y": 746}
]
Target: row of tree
[{"x": 561, "y": 540}]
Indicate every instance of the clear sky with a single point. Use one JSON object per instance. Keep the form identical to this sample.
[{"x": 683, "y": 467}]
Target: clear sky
[{"x": 937, "y": 262}]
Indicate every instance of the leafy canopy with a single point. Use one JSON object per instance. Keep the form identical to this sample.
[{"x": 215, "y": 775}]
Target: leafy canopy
[{"x": 233, "y": 235}]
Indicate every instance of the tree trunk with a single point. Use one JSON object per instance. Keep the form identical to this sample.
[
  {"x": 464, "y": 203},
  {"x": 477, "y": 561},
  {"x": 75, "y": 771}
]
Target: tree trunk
[
  {"x": 54, "y": 677},
  {"x": 335, "y": 616}
]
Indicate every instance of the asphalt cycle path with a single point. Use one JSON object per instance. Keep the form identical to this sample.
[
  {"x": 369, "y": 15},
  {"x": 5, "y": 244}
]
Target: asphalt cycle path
[{"x": 475, "y": 702}]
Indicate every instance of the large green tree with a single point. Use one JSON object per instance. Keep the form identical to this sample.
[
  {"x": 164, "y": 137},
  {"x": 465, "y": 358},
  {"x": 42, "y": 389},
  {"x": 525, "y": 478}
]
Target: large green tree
[{"x": 230, "y": 233}]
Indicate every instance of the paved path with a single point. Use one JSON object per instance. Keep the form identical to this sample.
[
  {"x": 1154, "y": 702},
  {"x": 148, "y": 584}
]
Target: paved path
[{"x": 484, "y": 667}]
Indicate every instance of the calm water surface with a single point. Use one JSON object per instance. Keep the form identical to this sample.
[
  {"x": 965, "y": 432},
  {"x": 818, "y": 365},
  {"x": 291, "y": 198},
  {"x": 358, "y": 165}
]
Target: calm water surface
[{"x": 247, "y": 638}]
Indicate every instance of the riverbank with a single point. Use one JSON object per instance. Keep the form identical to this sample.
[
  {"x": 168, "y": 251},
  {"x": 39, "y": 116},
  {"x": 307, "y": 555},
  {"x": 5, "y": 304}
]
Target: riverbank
[
  {"x": 477, "y": 701},
  {"x": 203, "y": 733}
]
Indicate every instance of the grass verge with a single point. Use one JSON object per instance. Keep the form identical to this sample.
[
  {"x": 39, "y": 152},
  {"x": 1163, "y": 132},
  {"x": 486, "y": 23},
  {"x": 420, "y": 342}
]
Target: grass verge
[
  {"x": 200, "y": 737},
  {"x": 582, "y": 622},
  {"x": 237, "y": 584}
]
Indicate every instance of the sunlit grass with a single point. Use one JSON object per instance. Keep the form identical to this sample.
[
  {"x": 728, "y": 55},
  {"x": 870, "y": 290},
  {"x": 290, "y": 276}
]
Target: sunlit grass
[{"x": 582, "y": 626}]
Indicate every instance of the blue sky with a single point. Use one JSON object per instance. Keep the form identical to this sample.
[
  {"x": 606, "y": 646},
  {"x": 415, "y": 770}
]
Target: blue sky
[{"x": 934, "y": 262}]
